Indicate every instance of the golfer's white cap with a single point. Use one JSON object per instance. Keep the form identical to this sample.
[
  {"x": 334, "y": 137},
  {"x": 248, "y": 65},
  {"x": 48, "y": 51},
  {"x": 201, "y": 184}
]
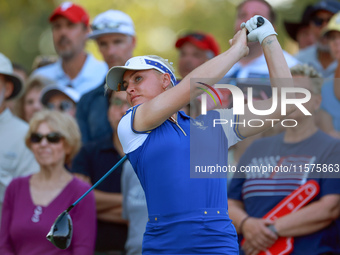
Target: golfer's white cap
[{"x": 114, "y": 77}]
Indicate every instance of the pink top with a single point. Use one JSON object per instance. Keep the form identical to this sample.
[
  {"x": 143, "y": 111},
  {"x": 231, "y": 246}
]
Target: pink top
[{"x": 24, "y": 225}]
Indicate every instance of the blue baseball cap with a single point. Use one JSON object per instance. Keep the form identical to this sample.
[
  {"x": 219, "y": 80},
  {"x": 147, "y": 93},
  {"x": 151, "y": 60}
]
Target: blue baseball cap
[{"x": 332, "y": 6}]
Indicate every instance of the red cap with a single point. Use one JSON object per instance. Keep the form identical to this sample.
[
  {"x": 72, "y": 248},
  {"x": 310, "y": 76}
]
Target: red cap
[
  {"x": 200, "y": 40},
  {"x": 72, "y": 12}
]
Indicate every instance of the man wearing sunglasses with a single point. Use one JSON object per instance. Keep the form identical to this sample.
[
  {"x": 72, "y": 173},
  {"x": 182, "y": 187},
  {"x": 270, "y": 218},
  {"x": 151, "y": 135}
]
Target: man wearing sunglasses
[
  {"x": 318, "y": 55},
  {"x": 15, "y": 158},
  {"x": 98, "y": 115},
  {"x": 300, "y": 32},
  {"x": 114, "y": 33},
  {"x": 75, "y": 68}
]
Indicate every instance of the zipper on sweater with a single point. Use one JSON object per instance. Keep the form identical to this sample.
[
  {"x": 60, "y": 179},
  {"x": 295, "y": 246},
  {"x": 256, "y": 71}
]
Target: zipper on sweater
[{"x": 175, "y": 121}]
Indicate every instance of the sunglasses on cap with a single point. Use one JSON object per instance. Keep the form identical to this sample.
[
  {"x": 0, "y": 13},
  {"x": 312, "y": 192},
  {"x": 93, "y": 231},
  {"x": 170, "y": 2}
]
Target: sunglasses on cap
[
  {"x": 64, "y": 106},
  {"x": 320, "y": 21},
  {"x": 53, "y": 137},
  {"x": 108, "y": 25}
]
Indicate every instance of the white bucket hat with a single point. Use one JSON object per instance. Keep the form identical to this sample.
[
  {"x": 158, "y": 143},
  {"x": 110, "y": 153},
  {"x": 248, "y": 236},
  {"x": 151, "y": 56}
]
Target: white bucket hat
[
  {"x": 112, "y": 21},
  {"x": 7, "y": 70},
  {"x": 114, "y": 77}
]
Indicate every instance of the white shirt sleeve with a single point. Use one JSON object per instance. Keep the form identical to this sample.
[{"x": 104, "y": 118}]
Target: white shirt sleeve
[{"x": 129, "y": 139}]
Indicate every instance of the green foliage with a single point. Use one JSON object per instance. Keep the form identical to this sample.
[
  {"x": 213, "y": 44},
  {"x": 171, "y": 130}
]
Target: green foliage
[
  {"x": 22, "y": 22},
  {"x": 26, "y": 31}
]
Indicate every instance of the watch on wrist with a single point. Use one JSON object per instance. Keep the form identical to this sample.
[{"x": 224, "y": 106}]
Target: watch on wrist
[{"x": 273, "y": 229}]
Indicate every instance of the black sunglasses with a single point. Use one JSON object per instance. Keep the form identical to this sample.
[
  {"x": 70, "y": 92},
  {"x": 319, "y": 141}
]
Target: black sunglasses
[
  {"x": 109, "y": 25},
  {"x": 53, "y": 137},
  {"x": 319, "y": 21},
  {"x": 64, "y": 106}
]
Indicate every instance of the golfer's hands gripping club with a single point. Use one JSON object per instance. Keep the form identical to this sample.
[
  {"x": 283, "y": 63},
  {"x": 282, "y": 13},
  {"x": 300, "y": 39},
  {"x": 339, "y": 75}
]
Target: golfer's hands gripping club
[
  {"x": 258, "y": 32},
  {"x": 239, "y": 42}
]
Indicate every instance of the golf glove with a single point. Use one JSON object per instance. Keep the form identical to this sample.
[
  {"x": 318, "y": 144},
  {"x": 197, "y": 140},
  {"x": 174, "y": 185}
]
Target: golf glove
[{"x": 258, "y": 33}]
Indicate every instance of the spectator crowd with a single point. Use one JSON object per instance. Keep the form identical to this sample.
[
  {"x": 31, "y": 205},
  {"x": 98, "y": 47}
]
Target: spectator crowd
[{"x": 59, "y": 122}]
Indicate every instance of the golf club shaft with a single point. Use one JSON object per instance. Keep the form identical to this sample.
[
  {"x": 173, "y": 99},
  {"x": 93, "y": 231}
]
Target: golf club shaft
[{"x": 98, "y": 182}]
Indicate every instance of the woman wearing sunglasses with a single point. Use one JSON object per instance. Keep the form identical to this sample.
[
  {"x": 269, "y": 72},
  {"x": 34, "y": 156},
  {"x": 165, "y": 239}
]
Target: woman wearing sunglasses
[
  {"x": 32, "y": 203},
  {"x": 187, "y": 215}
]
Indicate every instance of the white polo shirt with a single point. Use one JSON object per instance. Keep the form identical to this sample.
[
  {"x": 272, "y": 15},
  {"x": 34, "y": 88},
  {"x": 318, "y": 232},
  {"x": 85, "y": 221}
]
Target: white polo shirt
[{"x": 90, "y": 76}]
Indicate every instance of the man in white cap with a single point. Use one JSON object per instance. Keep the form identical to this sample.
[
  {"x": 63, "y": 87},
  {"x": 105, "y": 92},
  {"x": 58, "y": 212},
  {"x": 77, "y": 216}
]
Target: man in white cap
[
  {"x": 114, "y": 33},
  {"x": 75, "y": 68},
  {"x": 15, "y": 158}
]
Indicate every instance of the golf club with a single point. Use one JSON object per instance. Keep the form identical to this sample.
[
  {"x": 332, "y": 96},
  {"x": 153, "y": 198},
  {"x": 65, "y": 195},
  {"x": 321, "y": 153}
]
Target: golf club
[
  {"x": 260, "y": 22},
  {"x": 60, "y": 234}
]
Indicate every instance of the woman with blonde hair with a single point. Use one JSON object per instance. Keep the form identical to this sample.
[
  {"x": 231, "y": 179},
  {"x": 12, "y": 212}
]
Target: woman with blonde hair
[
  {"x": 32, "y": 203},
  {"x": 188, "y": 215}
]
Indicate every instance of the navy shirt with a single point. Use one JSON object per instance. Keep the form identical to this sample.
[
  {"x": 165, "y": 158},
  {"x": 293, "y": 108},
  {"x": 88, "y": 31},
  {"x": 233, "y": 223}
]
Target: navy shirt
[
  {"x": 91, "y": 115},
  {"x": 95, "y": 159},
  {"x": 260, "y": 193}
]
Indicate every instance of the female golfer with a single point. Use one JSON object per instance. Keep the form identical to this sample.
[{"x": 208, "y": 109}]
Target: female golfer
[{"x": 186, "y": 215}]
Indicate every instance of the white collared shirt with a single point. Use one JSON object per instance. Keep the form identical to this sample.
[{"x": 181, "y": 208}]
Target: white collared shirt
[{"x": 90, "y": 76}]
